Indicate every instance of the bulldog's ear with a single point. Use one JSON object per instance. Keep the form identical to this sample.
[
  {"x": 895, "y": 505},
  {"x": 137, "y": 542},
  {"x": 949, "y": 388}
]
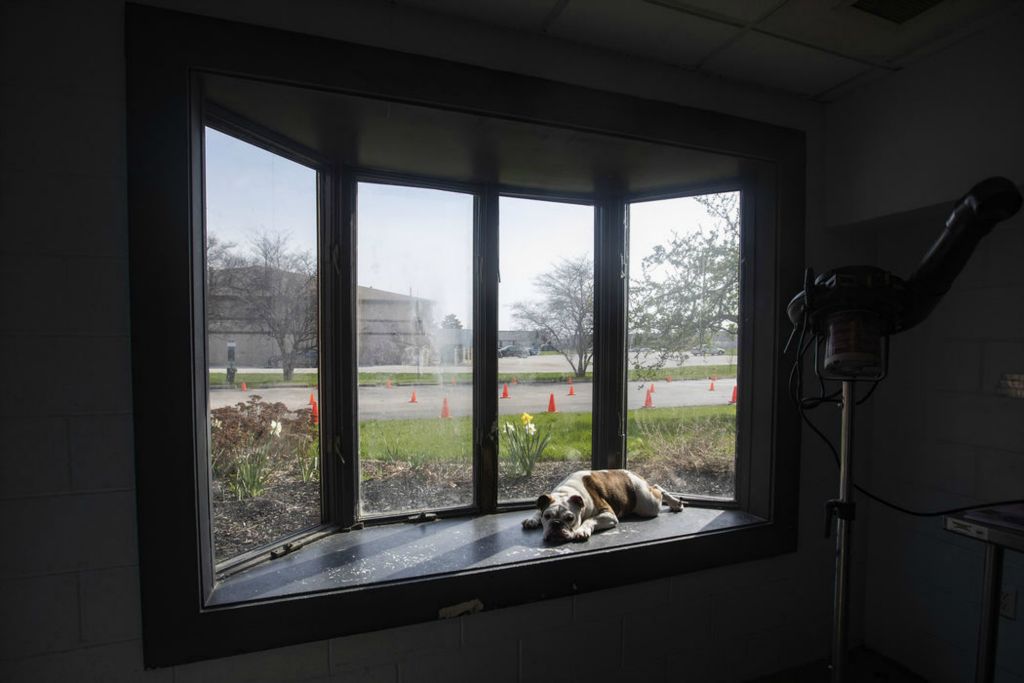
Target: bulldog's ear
[
  {"x": 544, "y": 501},
  {"x": 576, "y": 501}
]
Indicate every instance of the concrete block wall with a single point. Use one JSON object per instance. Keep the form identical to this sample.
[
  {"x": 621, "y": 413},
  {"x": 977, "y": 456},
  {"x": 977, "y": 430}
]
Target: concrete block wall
[
  {"x": 69, "y": 579},
  {"x": 945, "y": 437},
  {"x": 899, "y": 154}
]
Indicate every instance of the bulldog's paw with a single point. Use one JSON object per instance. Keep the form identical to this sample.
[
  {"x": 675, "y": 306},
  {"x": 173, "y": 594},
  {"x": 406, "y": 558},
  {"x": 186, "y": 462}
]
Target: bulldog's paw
[
  {"x": 581, "y": 534},
  {"x": 531, "y": 523}
]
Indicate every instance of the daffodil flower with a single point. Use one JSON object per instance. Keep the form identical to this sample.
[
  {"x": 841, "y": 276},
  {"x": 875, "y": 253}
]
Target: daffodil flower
[
  {"x": 215, "y": 423},
  {"x": 510, "y": 428},
  {"x": 526, "y": 418},
  {"x": 531, "y": 429},
  {"x": 275, "y": 428}
]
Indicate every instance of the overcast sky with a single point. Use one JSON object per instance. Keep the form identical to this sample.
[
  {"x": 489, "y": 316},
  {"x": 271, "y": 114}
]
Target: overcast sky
[{"x": 418, "y": 240}]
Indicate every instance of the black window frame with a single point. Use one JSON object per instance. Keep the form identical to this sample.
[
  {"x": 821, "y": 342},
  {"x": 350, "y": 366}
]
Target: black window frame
[{"x": 168, "y": 53}]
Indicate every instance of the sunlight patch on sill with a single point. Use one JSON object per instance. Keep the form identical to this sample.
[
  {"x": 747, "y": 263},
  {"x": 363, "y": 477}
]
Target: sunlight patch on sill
[{"x": 401, "y": 552}]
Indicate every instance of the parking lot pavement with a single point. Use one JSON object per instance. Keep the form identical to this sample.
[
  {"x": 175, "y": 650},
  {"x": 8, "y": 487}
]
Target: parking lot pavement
[{"x": 381, "y": 403}]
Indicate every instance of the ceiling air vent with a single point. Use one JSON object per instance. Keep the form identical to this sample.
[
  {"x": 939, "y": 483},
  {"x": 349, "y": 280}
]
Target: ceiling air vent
[{"x": 897, "y": 11}]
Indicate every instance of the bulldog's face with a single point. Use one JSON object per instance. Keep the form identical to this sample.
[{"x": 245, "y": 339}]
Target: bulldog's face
[{"x": 560, "y": 516}]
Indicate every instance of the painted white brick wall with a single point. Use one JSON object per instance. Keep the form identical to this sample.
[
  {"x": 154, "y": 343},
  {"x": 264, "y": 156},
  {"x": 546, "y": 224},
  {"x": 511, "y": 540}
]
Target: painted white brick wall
[{"x": 69, "y": 578}]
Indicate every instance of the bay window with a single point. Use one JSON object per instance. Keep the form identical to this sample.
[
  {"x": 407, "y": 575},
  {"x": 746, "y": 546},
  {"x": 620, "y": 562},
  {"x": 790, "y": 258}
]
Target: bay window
[{"x": 384, "y": 302}]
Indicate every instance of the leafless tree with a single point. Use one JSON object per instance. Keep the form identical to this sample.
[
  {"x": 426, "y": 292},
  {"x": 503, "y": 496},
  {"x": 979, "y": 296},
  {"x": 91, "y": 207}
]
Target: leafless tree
[
  {"x": 565, "y": 315},
  {"x": 272, "y": 288}
]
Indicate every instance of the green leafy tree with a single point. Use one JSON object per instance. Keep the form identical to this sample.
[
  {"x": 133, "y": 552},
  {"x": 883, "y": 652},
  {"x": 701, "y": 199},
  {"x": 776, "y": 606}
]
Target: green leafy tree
[{"x": 687, "y": 289}]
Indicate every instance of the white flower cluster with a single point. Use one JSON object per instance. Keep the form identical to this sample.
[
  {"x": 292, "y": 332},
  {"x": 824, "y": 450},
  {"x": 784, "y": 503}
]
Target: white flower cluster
[{"x": 275, "y": 428}]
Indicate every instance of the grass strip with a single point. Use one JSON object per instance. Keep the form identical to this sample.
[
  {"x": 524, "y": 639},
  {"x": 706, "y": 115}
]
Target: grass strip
[{"x": 651, "y": 432}]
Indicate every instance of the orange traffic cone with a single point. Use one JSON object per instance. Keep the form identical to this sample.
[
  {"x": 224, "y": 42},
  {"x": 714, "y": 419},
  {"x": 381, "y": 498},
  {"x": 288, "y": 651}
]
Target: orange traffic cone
[
  {"x": 244, "y": 388},
  {"x": 314, "y": 413},
  {"x": 551, "y": 404},
  {"x": 504, "y": 391},
  {"x": 734, "y": 393},
  {"x": 413, "y": 399},
  {"x": 652, "y": 388},
  {"x": 445, "y": 413},
  {"x": 388, "y": 383},
  {"x": 648, "y": 401},
  {"x": 312, "y": 399},
  {"x": 711, "y": 387},
  {"x": 572, "y": 389}
]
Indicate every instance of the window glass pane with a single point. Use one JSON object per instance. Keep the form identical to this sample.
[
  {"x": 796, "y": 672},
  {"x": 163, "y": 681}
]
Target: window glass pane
[
  {"x": 414, "y": 305},
  {"x": 682, "y": 352},
  {"x": 545, "y": 344},
  {"x": 262, "y": 344}
]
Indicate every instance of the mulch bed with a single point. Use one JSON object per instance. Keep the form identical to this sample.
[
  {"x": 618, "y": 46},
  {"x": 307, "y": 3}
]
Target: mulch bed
[{"x": 289, "y": 506}]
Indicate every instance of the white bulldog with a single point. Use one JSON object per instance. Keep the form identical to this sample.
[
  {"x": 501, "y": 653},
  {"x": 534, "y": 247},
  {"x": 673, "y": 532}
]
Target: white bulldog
[{"x": 593, "y": 500}]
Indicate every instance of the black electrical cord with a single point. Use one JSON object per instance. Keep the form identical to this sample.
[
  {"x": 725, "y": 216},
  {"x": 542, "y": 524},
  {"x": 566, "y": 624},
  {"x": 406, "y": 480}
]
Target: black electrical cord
[
  {"x": 802, "y": 404},
  {"x": 866, "y": 396}
]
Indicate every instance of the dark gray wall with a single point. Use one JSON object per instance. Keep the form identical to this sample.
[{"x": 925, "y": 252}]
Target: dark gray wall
[
  {"x": 899, "y": 153},
  {"x": 69, "y": 576}
]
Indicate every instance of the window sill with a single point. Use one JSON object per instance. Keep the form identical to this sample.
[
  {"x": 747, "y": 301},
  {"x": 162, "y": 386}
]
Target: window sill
[{"x": 406, "y": 552}]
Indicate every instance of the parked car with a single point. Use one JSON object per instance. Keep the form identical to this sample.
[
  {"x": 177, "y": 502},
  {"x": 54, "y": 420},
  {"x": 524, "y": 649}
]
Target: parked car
[
  {"x": 513, "y": 350},
  {"x": 708, "y": 351}
]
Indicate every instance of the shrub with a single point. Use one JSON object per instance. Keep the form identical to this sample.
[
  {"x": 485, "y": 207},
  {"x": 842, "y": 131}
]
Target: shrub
[{"x": 253, "y": 443}]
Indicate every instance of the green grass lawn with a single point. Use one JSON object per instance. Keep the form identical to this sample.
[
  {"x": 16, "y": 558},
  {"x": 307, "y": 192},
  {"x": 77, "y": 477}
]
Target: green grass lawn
[
  {"x": 260, "y": 379},
  {"x": 651, "y": 431},
  {"x": 309, "y": 379}
]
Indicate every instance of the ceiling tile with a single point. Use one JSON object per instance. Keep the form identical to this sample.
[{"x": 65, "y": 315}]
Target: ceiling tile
[
  {"x": 744, "y": 11},
  {"x": 767, "y": 61},
  {"x": 515, "y": 14},
  {"x": 856, "y": 33},
  {"x": 641, "y": 28}
]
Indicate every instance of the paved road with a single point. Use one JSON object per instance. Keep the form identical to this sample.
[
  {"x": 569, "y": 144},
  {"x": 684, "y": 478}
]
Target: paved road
[
  {"x": 380, "y": 403},
  {"x": 547, "y": 363}
]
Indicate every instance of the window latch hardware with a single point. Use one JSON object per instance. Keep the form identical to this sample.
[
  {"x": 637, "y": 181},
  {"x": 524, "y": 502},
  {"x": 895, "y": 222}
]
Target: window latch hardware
[
  {"x": 282, "y": 551},
  {"x": 421, "y": 517},
  {"x": 336, "y": 259},
  {"x": 837, "y": 508},
  {"x": 338, "y": 451}
]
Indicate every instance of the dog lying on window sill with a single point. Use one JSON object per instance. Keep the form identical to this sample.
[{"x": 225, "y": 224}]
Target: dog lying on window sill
[{"x": 593, "y": 500}]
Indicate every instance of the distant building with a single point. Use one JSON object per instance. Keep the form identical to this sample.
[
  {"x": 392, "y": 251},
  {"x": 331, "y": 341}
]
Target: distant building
[{"x": 393, "y": 329}]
